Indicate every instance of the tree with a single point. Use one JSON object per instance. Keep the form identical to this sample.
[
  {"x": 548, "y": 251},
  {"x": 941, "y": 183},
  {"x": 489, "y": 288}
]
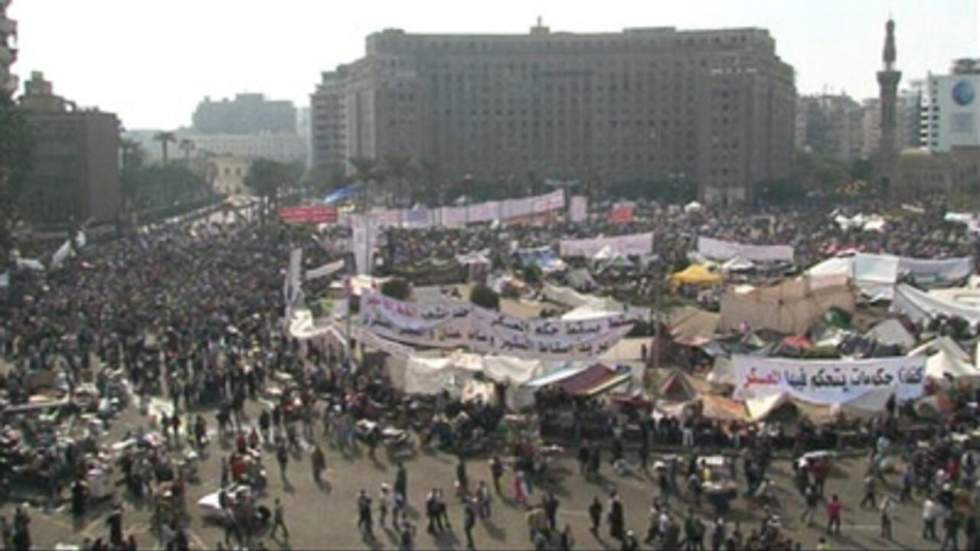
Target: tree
[
  {"x": 164, "y": 138},
  {"x": 186, "y": 146},
  {"x": 532, "y": 274},
  {"x": 398, "y": 168},
  {"x": 481, "y": 295},
  {"x": 397, "y": 288},
  {"x": 267, "y": 177},
  {"x": 365, "y": 170},
  {"x": 16, "y": 154}
]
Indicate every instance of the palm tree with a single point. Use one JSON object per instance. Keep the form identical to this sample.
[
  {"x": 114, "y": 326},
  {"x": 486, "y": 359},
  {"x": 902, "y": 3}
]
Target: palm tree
[
  {"x": 164, "y": 137},
  {"x": 365, "y": 170},
  {"x": 186, "y": 146},
  {"x": 398, "y": 168}
]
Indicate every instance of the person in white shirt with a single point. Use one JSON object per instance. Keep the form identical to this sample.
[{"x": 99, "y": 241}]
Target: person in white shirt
[
  {"x": 930, "y": 511},
  {"x": 885, "y": 508}
]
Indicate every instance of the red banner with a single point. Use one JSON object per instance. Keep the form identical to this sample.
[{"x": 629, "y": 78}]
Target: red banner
[
  {"x": 308, "y": 215},
  {"x": 621, "y": 214}
]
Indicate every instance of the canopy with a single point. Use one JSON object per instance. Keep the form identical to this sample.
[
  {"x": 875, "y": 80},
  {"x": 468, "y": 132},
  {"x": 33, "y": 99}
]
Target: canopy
[
  {"x": 891, "y": 331},
  {"x": 919, "y": 306},
  {"x": 695, "y": 274},
  {"x": 453, "y": 373},
  {"x": 791, "y": 307},
  {"x": 946, "y": 359},
  {"x": 693, "y": 326},
  {"x": 589, "y": 381}
]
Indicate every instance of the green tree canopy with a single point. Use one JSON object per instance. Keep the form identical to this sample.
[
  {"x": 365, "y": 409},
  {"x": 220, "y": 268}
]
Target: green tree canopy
[{"x": 481, "y": 295}]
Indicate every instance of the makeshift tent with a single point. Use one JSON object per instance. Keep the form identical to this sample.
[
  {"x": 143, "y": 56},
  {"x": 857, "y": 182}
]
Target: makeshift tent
[
  {"x": 569, "y": 297},
  {"x": 891, "y": 331},
  {"x": 695, "y": 274},
  {"x": 724, "y": 409},
  {"x": 453, "y": 373},
  {"x": 737, "y": 264},
  {"x": 920, "y": 306},
  {"x": 590, "y": 381},
  {"x": 968, "y": 297},
  {"x": 681, "y": 387},
  {"x": 692, "y": 326},
  {"x": 581, "y": 280},
  {"x": 791, "y": 307},
  {"x": 946, "y": 360},
  {"x": 693, "y": 206},
  {"x": 877, "y": 274}
]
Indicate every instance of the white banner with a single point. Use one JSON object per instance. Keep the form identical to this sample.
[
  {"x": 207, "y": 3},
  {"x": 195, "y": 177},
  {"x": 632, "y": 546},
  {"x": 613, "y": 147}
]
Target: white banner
[
  {"x": 578, "y": 209},
  {"x": 827, "y": 381},
  {"x": 325, "y": 270},
  {"x": 637, "y": 244},
  {"x": 455, "y": 323},
  {"x": 716, "y": 249},
  {"x": 61, "y": 254},
  {"x": 549, "y": 202},
  {"x": 5, "y": 279}
]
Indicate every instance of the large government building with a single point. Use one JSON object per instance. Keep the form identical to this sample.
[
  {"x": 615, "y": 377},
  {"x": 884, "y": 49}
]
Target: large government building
[{"x": 715, "y": 108}]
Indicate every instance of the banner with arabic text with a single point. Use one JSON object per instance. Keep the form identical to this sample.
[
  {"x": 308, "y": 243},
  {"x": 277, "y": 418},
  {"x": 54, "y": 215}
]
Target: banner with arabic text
[
  {"x": 454, "y": 323},
  {"x": 637, "y": 244},
  {"x": 827, "y": 381},
  {"x": 722, "y": 251}
]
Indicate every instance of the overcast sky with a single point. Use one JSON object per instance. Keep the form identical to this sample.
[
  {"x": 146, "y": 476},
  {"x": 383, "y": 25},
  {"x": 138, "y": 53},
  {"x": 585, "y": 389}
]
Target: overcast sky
[{"x": 151, "y": 61}]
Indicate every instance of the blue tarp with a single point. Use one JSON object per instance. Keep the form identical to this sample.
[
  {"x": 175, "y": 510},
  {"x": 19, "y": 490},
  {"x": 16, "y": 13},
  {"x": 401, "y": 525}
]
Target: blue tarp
[{"x": 342, "y": 194}]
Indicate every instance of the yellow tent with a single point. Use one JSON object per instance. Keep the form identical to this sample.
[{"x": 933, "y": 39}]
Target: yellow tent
[{"x": 695, "y": 274}]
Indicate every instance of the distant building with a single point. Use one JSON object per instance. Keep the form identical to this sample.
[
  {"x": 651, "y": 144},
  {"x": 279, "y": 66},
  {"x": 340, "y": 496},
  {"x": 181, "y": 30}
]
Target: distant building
[
  {"x": 303, "y": 122},
  {"x": 907, "y": 111},
  {"x": 246, "y": 114},
  {"x": 283, "y": 147},
  {"x": 8, "y": 51},
  {"x": 713, "y": 107},
  {"x": 227, "y": 174},
  {"x": 75, "y": 171},
  {"x": 830, "y": 125},
  {"x": 951, "y": 108}
]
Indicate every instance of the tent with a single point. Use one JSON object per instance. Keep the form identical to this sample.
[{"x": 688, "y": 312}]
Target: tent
[
  {"x": 946, "y": 359},
  {"x": 677, "y": 388},
  {"x": 695, "y": 274},
  {"x": 692, "y": 326},
  {"x": 588, "y": 381},
  {"x": 919, "y": 306},
  {"x": 720, "y": 408},
  {"x": 737, "y": 264},
  {"x": 891, "y": 331},
  {"x": 791, "y": 307},
  {"x": 693, "y": 206},
  {"x": 453, "y": 374}
]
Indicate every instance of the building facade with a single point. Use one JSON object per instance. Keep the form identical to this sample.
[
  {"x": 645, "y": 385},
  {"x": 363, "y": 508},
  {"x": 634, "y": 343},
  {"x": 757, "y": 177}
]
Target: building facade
[
  {"x": 712, "y": 107},
  {"x": 227, "y": 174},
  {"x": 8, "y": 50},
  {"x": 951, "y": 110},
  {"x": 831, "y": 125},
  {"x": 246, "y": 114},
  {"x": 75, "y": 170}
]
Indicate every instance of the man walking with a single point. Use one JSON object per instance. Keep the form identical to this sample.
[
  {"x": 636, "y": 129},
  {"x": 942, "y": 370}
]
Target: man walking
[
  {"x": 812, "y": 498},
  {"x": 869, "y": 492},
  {"x": 318, "y": 462},
  {"x": 469, "y": 521},
  {"x": 364, "y": 523},
  {"x": 279, "y": 521},
  {"x": 886, "y": 517},
  {"x": 930, "y": 511},
  {"x": 595, "y": 514}
]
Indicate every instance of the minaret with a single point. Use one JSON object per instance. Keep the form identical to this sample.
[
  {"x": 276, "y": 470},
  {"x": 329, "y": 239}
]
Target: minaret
[{"x": 888, "y": 79}]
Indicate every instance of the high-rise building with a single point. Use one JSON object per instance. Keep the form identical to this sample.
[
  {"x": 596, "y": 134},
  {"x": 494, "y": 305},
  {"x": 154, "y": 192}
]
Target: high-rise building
[
  {"x": 712, "y": 107},
  {"x": 75, "y": 169},
  {"x": 8, "y": 50},
  {"x": 951, "y": 109},
  {"x": 246, "y": 114},
  {"x": 831, "y": 125}
]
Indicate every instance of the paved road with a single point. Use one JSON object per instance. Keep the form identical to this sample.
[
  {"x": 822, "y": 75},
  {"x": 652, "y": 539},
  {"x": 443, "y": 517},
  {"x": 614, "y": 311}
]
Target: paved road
[{"x": 325, "y": 517}]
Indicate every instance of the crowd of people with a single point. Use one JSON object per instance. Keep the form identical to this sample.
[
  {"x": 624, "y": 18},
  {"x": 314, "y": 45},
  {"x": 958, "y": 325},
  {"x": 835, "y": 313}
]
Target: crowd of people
[{"x": 196, "y": 321}]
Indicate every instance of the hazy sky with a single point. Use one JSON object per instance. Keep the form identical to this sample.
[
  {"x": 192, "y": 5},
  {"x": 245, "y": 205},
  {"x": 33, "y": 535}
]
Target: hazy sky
[{"x": 151, "y": 61}]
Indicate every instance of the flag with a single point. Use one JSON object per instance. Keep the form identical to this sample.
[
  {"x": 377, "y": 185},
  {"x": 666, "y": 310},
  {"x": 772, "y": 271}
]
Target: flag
[{"x": 621, "y": 214}]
